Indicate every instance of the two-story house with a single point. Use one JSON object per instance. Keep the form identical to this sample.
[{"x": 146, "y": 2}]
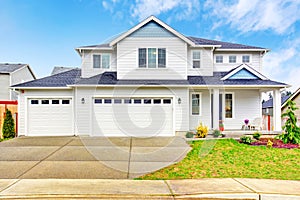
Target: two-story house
[
  {"x": 12, "y": 74},
  {"x": 149, "y": 81}
]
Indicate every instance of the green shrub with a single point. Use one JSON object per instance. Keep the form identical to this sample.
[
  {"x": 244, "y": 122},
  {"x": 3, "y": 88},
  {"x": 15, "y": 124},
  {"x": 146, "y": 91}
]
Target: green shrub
[
  {"x": 189, "y": 134},
  {"x": 216, "y": 133},
  {"x": 292, "y": 131},
  {"x": 202, "y": 131},
  {"x": 246, "y": 139},
  {"x": 256, "y": 135},
  {"x": 8, "y": 130}
]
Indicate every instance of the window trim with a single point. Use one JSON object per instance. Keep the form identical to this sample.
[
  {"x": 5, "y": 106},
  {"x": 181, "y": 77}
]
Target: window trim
[
  {"x": 192, "y": 58},
  {"x": 233, "y": 105},
  {"x": 156, "y": 58},
  {"x": 200, "y": 103},
  {"x": 232, "y": 56},
  {"x": 216, "y": 59},
  {"x": 101, "y": 56}
]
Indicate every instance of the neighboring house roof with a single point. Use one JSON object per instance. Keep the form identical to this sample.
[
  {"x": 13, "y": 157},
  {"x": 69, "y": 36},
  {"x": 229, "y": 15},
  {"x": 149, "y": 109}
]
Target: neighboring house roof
[
  {"x": 58, "y": 80},
  {"x": 72, "y": 77},
  {"x": 291, "y": 97},
  {"x": 57, "y": 70},
  {"x": 8, "y": 68},
  {"x": 269, "y": 103}
]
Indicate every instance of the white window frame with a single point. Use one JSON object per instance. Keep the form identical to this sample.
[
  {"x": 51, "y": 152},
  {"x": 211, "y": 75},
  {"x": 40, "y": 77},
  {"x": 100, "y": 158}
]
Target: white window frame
[
  {"x": 248, "y": 56},
  {"x": 200, "y": 104},
  {"x": 192, "y": 58},
  {"x": 216, "y": 59},
  {"x": 156, "y": 59},
  {"x": 233, "y": 105},
  {"x": 232, "y": 56},
  {"x": 101, "y": 56}
]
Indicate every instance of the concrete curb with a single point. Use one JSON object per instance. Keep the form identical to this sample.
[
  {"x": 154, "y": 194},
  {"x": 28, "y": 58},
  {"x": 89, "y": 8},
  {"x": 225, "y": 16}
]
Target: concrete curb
[{"x": 227, "y": 188}]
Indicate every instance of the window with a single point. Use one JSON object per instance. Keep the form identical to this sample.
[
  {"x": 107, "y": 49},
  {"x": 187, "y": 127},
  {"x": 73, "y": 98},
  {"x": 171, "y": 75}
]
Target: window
[
  {"x": 232, "y": 59},
  {"x": 118, "y": 101},
  {"x": 45, "y": 101},
  {"x": 167, "y": 101},
  {"x": 127, "y": 101},
  {"x": 147, "y": 101},
  {"x": 137, "y": 101},
  {"x": 65, "y": 101},
  {"x": 152, "y": 58},
  {"x": 34, "y": 101},
  {"x": 195, "y": 104},
  {"x": 101, "y": 61},
  {"x": 97, "y": 101},
  {"x": 246, "y": 58},
  {"x": 219, "y": 59},
  {"x": 229, "y": 105},
  {"x": 156, "y": 101},
  {"x": 196, "y": 59},
  {"x": 56, "y": 101},
  {"x": 107, "y": 101}
]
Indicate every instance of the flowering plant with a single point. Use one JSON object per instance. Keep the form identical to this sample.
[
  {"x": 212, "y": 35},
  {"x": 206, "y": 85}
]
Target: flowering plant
[{"x": 246, "y": 121}]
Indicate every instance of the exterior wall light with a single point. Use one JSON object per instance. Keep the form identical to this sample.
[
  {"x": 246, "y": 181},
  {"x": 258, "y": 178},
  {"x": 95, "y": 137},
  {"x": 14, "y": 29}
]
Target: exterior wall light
[
  {"x": 82, "y": 100},
  {"x": 179, "y": 100}
]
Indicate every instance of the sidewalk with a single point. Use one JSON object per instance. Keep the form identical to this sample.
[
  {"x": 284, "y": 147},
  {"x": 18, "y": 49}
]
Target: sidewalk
[{"x": 228, "y": 188}]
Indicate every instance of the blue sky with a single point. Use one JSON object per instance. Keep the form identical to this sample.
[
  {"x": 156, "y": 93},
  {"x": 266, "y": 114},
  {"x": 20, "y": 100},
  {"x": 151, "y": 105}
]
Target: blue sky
[{"x": 44, "y": 33}]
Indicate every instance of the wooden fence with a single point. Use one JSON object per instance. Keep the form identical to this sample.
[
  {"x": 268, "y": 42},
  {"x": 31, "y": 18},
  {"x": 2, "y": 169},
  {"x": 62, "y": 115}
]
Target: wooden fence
[{"x": 13, "y": 107}]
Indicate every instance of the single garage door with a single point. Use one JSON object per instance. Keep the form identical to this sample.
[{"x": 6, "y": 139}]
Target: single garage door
[
  {"x": 137, "y": 117},
  {"x": 50, "y": 117}
]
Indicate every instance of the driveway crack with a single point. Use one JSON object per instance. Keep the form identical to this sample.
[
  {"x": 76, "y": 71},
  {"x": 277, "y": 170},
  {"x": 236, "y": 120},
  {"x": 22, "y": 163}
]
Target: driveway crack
[
  {"x": 129, "y": 158},
  {"x": 46, "y": 157}
]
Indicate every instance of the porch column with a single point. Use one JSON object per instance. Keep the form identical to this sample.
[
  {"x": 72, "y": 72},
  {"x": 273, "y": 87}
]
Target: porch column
[
  {"x": 216, "y": 93},
  {"x": 277, "y": 110}
]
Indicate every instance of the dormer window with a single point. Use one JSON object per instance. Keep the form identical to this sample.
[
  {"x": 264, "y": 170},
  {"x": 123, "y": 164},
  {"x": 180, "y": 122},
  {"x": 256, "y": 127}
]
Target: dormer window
[
  {"x": 232, "y": 59},
  {"x": 152, "y": 58},
  {"x": 196, "y": 59},
  {"x": 101, "y": 61},
  {"x": 219, "y": 59},
  {"x": 246, "y": 58}
]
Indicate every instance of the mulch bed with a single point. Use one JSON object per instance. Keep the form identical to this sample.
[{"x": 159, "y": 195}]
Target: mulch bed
[{"x": 276, "y": 143}]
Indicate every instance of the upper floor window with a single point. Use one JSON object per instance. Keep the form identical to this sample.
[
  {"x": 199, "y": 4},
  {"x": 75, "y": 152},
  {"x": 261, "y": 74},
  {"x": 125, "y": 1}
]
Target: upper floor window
[
  {"x": 219, "y": 59},
  {"x": 101, "y": 61},
  {"x": 245, "y": 58},
  {"x": 152, "y": 58},
  {"x": 196, "y": 59},
  {"x": 232, "y": 59}
]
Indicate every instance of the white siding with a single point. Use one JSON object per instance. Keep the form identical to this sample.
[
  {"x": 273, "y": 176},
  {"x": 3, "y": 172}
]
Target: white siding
[
  {"x": 21, "y": 76},
  {"x": 127, "y": 63},
  {"x": 87, "y": 62},
  {"x": 84, "y": 113},
  {"x": 246, "y": 106},
  {"x": 255, "y": 60},
  {"x": 4, "y": 87},
  {"x": 205, "y": 107},
  {"x": 206, "y": 62},
  {"x": 22, "y": 108}
]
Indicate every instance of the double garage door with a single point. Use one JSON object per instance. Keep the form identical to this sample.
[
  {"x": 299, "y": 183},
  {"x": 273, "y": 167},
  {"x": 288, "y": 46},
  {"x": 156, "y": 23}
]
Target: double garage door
[
  {"x": 137, "y": 117},
  {"x": 50, "y": 117}
]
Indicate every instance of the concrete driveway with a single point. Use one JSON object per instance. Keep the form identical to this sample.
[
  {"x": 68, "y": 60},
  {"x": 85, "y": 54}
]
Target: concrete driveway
[{"x": 87, "y": 157}]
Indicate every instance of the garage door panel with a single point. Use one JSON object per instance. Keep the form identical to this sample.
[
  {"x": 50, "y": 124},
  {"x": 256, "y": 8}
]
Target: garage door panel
[
  {"x": 50, "y": 119},
  {"x": 133, "y": 119}
]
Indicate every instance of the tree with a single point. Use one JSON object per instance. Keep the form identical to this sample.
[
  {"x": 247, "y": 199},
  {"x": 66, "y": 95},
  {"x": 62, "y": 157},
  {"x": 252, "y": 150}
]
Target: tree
[
  {"x": 292, "y": 131},
  {"x": 8, "y": 130}
]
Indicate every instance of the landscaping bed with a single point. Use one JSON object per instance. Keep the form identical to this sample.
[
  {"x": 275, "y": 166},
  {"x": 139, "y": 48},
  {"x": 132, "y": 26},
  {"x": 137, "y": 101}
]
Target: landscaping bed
[
  {"x": 276, "y": 143},
  {"x": 227, "y": 158}
]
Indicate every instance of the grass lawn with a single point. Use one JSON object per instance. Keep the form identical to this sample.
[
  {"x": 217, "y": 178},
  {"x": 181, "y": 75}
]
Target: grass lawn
[{"x": 227, "y": 158}]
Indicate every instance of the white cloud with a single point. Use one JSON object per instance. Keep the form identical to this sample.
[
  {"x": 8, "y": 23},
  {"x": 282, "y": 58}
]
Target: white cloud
[
  {"x": 255, "y": 15},
  {"x": 179, "y": 9}
]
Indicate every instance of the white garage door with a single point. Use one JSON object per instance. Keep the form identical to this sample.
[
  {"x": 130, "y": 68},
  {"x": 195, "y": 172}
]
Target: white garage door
[
  {"x": 137, "y": 117},
  {"x": 50, "y": 117}
]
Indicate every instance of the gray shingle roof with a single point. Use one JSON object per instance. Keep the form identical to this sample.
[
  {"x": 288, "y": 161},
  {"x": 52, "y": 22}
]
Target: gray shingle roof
[
  {"x": 7, "y": 68},
  {"x": 58, "y": 80},
  {"x": 269, "y": 103},
  {"x": 110, "y": 78},
  {"x": 224, "y": 45}
]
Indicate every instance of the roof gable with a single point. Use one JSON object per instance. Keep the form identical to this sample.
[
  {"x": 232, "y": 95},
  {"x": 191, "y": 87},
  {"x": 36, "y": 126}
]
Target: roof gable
[
  {"x": 146, "y": 21},
  {"x": 244, "y": 71},
  {"x": 152, "y": 29},
  {"x": 291, "y": 97},
  {"x": 9, "y": 68}
]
